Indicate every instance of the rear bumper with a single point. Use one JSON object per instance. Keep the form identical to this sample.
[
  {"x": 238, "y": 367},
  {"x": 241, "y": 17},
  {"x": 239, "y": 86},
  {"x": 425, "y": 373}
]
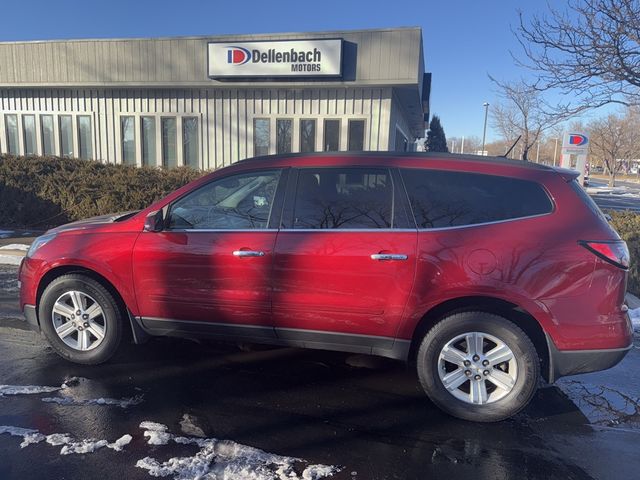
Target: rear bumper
[
  {"x": 32, "y": 317},
  {"x": 571, "y": 362}
]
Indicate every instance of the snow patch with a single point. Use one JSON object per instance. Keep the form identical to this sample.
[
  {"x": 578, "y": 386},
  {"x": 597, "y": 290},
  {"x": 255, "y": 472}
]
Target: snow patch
[
  {"x": 25, "y": 389},
  {"x": 15, "y": 246},
  {"x": 635, "y": 318},
  {"x": 122, "y": 402},
  {"x": 156, "y": 433},
  {"x": 189, "y": 427},
  {"x": 68, "y": 443},
  {"x": 224, "y": 459},
  {"x": 10, "y": 259},
  {"x": 6, "y": 233}
]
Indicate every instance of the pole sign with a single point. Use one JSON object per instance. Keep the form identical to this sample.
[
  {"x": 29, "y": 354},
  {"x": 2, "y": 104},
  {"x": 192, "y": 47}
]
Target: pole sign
[
  {"x": 286, "y": 58},
  {"x": 575, "y": 144},
  {"x": 575, "y": 148}
]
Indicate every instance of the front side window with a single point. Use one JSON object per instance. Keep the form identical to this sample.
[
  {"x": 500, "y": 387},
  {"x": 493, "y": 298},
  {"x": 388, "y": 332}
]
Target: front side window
[
  {"x": 283, "y": 135},
  {"x": 11, "y": 127},
  {"x": 84, "y": 137},
  {"x": 450, "y": 199},
  {"x": 339, "y": 198},
  {"x": 169, "y": 142},
  {"x": 190, "y": 141},
  {"x": 66, "y": 136},
  {"x": 46, "y": 130},
  {"x": 237, "y": 202},
  {"x": 128, "y": 134},
  {"x": 307, "y": 135},
  {"x": 29, "y": 134},
  {"x": 331, "y": 135},
  {"x": 261, "y": 135}
]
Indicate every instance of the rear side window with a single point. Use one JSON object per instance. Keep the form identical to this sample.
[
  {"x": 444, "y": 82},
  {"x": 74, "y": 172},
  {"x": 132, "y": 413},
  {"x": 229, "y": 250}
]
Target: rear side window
[
  {"x": 339, "y": 198},
  {"x": 451, "y": 199}
]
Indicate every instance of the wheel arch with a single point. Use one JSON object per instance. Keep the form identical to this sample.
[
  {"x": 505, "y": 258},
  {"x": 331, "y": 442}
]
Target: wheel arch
[
  {"x": 508, "y": 310},
  {"x": 58, "y": 271}
]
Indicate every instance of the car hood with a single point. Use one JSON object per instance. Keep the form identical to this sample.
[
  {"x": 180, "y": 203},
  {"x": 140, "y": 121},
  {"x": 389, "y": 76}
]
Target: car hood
[{"x": 93, "y": 222}]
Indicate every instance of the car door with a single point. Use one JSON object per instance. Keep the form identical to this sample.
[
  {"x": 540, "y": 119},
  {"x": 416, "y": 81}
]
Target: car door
[
  {"x": 209, "y": 270},
  {"x": 344, "y": 259}
]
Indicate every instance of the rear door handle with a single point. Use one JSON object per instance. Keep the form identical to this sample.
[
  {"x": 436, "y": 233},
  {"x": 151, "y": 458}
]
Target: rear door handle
[
  {"x": 389, "y": 256},
  {"x": 247, "y": 253}
]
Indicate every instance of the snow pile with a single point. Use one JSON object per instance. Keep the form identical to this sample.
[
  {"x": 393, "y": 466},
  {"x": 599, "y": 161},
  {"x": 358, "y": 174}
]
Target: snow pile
[
  {"x": 6, "y": 233},
  {"x": 25, "y": 389},
  {"x": 15, "y": 246},
  {"x": 224, "y": 459},
  {"x": 635, "y": 318},
  {"x": 122, "y": 402},
  {"x": 10, "y": 259},
  {"x": 69, "y": 445},
  {"x": 189, "y": 427},
  {"x": 36, "y": 389}
]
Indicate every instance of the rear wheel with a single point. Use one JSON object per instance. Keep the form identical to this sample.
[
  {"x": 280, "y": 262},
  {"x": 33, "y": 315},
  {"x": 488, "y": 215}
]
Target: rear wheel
[
  {"x": 478, "y": 366},
  {"x": 80, "y": 319}
]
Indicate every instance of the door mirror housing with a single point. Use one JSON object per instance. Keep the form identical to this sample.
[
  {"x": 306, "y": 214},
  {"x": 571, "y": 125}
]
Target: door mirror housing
[{"x": 154, "y": 221}]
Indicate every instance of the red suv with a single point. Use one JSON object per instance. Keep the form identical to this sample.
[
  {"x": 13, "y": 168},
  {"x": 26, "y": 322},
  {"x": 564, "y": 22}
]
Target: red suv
[{"x": 487, "y": 273}]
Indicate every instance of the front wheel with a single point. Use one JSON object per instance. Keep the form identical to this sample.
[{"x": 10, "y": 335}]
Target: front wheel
[
  {"x": 478, "y": 366},
  {"x": 80, "y": 319}
]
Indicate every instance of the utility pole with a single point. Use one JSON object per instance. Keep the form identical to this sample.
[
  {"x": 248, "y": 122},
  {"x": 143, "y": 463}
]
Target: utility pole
[
  {"x": 453, "y": 146},
  {"x": 555, "y": 151},
  {"x": 538, "y": 153},
  {"x": 484, "y": 130},
  {"x": 462, "y": 147}
]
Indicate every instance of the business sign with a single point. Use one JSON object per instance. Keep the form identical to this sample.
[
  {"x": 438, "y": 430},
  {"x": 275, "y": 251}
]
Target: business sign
[
  {"x": 286, "y": 58},
  {"x": 575, "y": 144}
]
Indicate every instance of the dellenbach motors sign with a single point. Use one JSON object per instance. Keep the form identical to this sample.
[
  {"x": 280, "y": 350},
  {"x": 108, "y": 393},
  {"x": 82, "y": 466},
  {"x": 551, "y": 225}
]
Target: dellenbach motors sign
[{"x": 287, "y": 58}]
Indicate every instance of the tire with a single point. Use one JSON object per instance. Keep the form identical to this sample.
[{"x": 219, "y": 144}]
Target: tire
[
  {"x": 90, "y": 338},
  {"x": 515, "y": 370}
]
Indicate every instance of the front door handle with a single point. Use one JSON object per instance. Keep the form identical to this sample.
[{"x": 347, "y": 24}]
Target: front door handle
[
  {"x": 247, "y": 253},
  {"x": 389, "y": 256}
]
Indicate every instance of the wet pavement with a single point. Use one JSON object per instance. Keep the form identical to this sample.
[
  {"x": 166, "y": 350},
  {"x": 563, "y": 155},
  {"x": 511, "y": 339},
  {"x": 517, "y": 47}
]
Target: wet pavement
[{"x": 367, "y": 416}]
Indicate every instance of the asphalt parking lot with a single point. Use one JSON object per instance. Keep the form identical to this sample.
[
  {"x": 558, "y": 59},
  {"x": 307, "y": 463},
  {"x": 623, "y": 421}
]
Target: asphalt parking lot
[{"x": 365, "y": 417}]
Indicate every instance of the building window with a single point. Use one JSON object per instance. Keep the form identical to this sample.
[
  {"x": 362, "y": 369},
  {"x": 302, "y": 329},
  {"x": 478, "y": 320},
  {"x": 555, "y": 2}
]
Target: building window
[
  {"x": 11, "y": 127},
  {"x": 283, "y": 135},
  {"x": 190, "y": 141},
  {"x": 66, "y": 135},
  {"x": 356, "y": 135},
  {"x": 84, "y": 137},
  {"x": 307, "y": 135},
  {"x": 401, "y": 141},
  {"x": 331, "y": 135},
  {"x": 169, "y": 142},
  {"x": 128, "y": 136},
  {"x": 148, "y": 134},
  {"x": 46, "y": 130},
  {"x": 261, "y": 135},
  {"x": 29, "y": 134}
]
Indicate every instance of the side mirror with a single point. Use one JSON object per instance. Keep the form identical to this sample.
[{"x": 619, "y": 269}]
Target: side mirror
[{"x": 154, "y": 222}]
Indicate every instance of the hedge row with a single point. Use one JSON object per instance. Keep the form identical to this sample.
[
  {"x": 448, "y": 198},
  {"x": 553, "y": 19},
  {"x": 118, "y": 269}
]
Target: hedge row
[
  {"x": 41, "y": 192},
  {"x": 628, "y": 226}
]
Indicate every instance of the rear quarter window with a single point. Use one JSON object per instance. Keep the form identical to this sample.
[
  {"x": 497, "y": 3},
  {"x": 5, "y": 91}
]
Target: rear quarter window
[{"x": 450, "y": 199}]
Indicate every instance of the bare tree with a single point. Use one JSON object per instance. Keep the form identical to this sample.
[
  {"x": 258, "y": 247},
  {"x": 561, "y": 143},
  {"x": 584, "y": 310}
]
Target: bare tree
[
  {"x": 521, "y": 112},
  {"x": 615, "y": 139},
  {"x": 588, "y": 50}
]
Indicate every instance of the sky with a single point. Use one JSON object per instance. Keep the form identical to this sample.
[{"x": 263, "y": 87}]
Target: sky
[{"x": 464, "y": 40}]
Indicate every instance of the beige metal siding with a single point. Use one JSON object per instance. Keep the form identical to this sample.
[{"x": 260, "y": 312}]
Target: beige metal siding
[
  {"x": 225, "y": 116},
  {"x": 383, "y": 57}
]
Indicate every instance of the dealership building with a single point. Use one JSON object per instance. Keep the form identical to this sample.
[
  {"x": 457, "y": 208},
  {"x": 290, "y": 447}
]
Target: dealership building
[{"x": 207, "y": 102}]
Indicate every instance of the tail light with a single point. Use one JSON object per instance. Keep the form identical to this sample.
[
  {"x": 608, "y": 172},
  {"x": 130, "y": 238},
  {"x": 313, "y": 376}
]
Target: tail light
[{"x": 614, "y": 252}]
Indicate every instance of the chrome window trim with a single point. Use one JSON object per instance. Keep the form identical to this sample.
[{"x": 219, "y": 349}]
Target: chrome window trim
[
  {"x": 218, "y": 230},
  {"x": 348, "y": 230},
  {"x": 506, "y": 220}
]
